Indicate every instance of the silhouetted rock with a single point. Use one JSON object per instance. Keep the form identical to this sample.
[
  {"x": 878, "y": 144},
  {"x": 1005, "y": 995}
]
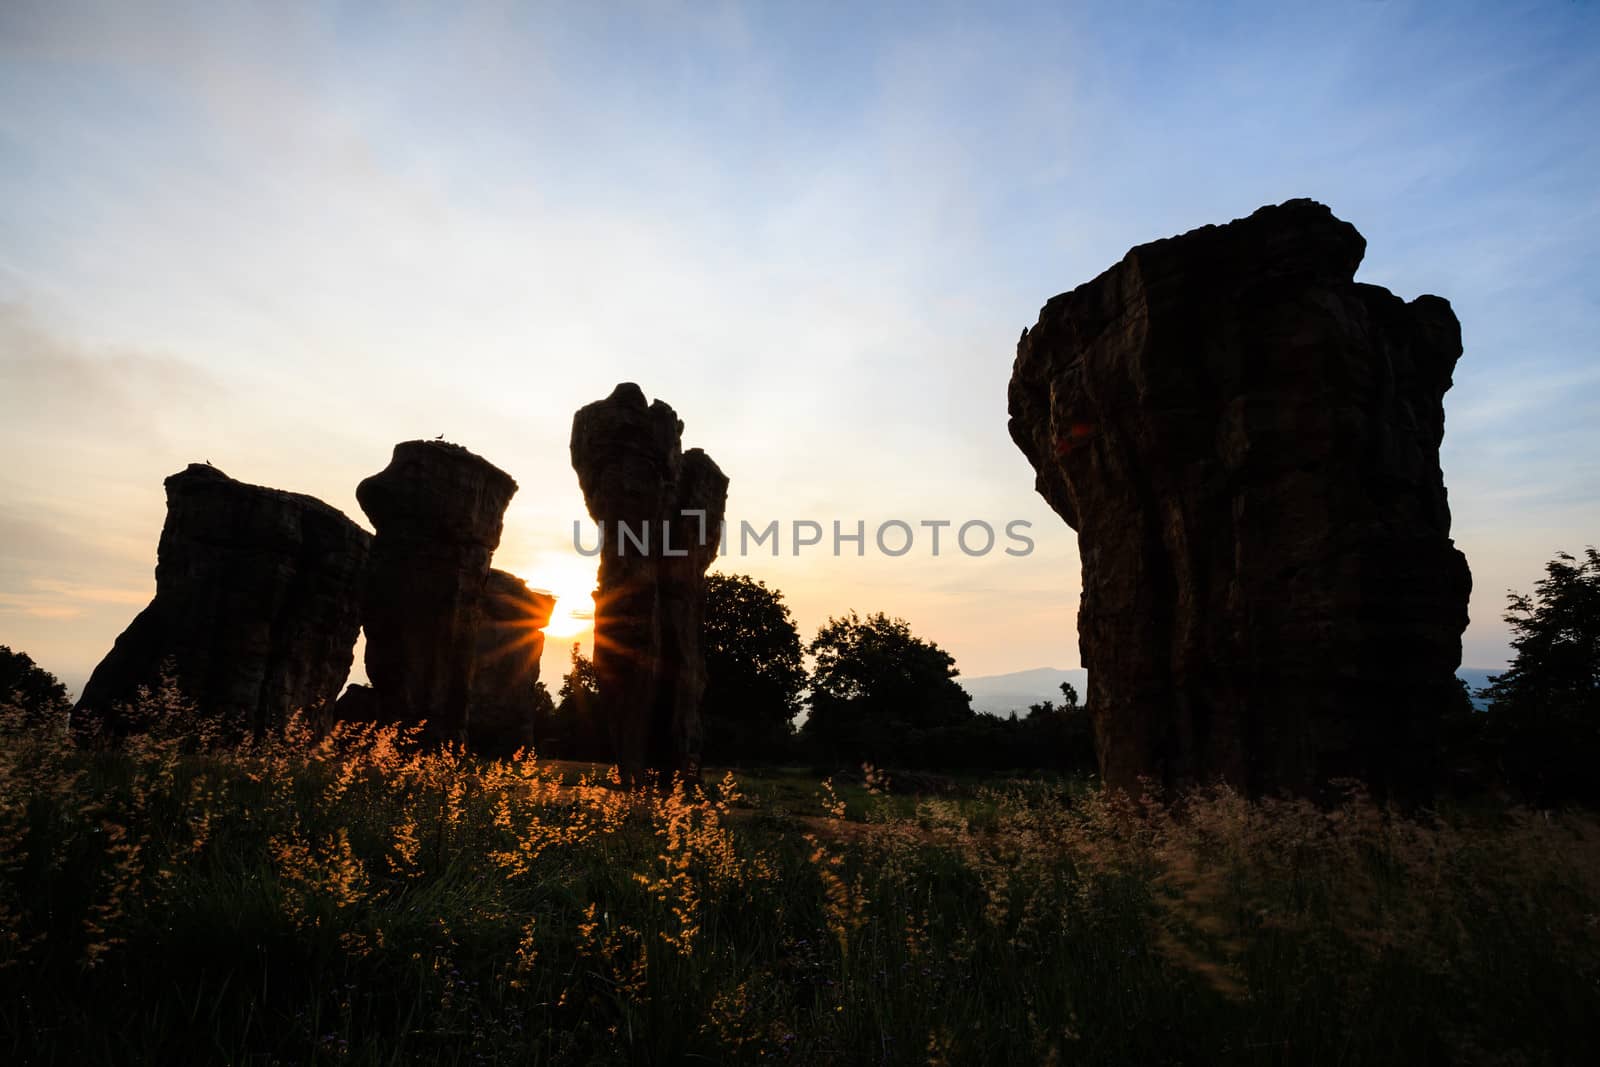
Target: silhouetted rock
[
  {"x": 1247, "y": 442},
  {"x": 437, "y": 511},
  {"x": 257, "y": 604},
  {"x": 651, "y": 600},
  {"x": 702, "y": 492},
  {"x": 500, "y": 719}
]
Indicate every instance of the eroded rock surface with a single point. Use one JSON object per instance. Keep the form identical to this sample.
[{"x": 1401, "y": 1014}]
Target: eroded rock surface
[
  {"x": 1247, "y": 442},
  {"x": 501, "y": 716},
  {"x": 638, "y": 485},
  {"x": 437, "y": 510},
  {"x": 257, "y": 604}
]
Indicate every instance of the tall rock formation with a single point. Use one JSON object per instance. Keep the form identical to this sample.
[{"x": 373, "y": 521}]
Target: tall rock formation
[
  {"x": 257, "y": 604},
  {"x": 1247, "y": 442},
  {"x": 437, "y": 510},
  {"x": 502, "y": 712},
  {"x": 660, "y": 513}
]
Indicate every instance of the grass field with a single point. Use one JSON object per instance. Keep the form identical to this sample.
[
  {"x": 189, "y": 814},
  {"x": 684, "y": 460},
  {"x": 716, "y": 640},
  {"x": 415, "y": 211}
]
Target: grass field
[{"x": 348, "y": 900}]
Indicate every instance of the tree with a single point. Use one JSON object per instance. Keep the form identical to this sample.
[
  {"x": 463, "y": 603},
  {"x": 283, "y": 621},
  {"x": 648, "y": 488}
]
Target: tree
[
  {"x": 544, "y": 711},
  {"x": 1544, "y": 715},
  {"x": 575, "y": 730},
  {"x": 1069, "y": 703},
  {"x": 1055, "y": 737},
  {"x": 580, "y": 685},
  {"x": 754, "y": 672},
  {"x": 873, "y": 681},
  {"x": 28, "y": 686},
  {"x": 1044, "y": 707}
]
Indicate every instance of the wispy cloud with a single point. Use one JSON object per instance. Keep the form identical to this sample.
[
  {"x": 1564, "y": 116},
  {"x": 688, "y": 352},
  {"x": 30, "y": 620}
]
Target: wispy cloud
[
  {"x": 48, "y": 599},
  {"x": 283, "y": 239}
]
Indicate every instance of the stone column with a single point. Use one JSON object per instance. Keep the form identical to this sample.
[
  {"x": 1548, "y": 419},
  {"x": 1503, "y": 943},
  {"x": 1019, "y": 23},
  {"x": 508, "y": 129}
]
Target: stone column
[{"x": 1247, "y": 441}]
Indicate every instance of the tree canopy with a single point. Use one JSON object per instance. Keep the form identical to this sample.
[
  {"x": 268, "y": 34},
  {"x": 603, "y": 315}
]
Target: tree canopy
[
  {"x": 30, "y": 687},
  {"x": 572, "y": 728},
  {"x": 754, "y": 670},
  {"x": 873, "y": 680},
  {"x": 1544, "y": 716}
]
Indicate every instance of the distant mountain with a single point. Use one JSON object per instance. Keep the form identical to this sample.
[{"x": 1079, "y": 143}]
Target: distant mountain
[
  {"x": 1476, "y": 678},
  {"x": 1001, "y": 694}
]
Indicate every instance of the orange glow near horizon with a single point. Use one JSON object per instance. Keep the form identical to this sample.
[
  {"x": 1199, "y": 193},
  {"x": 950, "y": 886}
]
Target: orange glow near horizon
[
  {"x": 573, "y": 615},
  {"x": 570, "y": 579}
]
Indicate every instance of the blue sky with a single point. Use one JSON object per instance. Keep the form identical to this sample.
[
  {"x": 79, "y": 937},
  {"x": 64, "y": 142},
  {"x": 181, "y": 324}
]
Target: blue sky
[{"x": 284, "y": 238}]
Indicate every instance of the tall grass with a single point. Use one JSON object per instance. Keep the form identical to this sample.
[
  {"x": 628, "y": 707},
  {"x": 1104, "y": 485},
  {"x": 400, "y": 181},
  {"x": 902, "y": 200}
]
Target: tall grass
[{"x": 350, "y": 898}]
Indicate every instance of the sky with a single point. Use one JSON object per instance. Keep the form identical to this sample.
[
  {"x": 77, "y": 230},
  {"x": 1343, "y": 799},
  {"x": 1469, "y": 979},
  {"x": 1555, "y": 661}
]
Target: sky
[{"x": 283, "y": 238}]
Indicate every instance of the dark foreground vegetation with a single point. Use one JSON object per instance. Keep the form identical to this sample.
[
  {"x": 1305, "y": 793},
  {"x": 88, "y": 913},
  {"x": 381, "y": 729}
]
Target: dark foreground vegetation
[
  {"x": 347, "y": 899},
  {"x": 350, "y": 896}
]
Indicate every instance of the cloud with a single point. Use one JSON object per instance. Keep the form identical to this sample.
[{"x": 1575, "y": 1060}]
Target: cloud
[
  {"x": 48, "y": 599},
  {"x": 283, "y": 242},
  {"x": 121, "y": 394}
]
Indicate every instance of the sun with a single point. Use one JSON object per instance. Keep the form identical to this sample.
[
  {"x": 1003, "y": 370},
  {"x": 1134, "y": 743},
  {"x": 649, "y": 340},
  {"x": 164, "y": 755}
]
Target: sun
[
  {"x": 574, "y": 612},
  {"x": 568, "y": 577},
  {"x": 562, "y": 573}
]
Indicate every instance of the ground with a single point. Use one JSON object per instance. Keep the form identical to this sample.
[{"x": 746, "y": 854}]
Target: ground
[{"x": 351, "y": 900}]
